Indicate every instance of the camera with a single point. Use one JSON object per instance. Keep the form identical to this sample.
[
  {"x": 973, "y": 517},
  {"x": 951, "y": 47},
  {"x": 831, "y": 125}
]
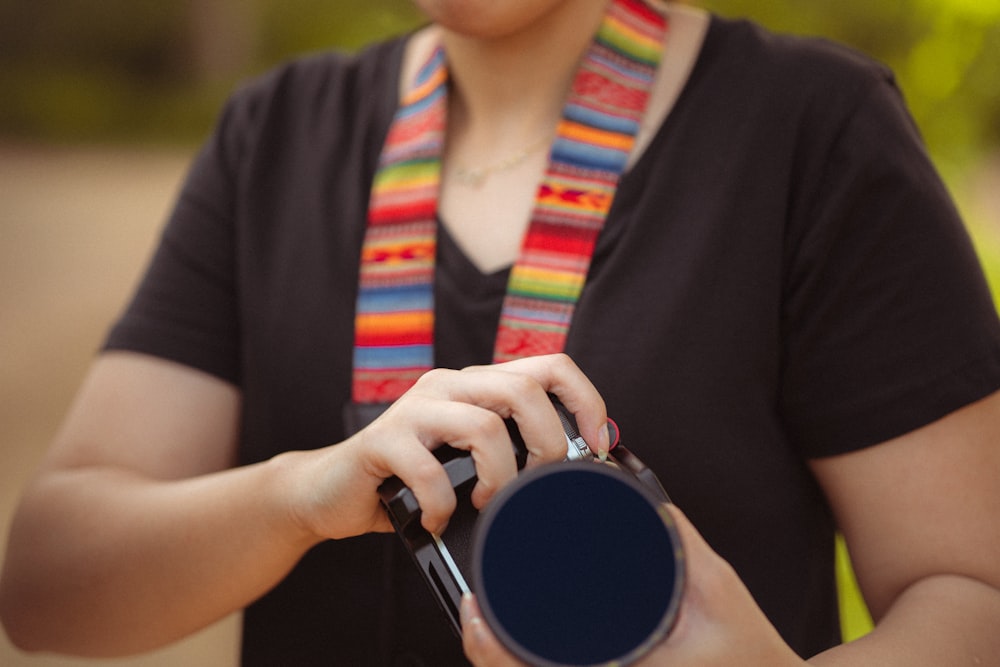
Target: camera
[{"x": 560, "y": 545}]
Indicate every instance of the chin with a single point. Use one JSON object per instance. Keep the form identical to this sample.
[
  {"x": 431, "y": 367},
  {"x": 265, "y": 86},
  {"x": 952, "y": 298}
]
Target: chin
[{"x": 487, "y": 19}]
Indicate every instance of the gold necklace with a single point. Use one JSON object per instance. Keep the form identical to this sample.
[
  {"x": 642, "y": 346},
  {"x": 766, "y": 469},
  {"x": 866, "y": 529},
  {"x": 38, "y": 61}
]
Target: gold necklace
[{"x": 475, "y": 177}]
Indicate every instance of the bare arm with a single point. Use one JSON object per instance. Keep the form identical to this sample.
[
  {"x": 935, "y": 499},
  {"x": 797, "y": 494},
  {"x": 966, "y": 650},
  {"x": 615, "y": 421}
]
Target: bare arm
[
  {"x": 920, "y": 517},
  {"x": 132, "y": 534},
  {"x": 138, "y": 530}
]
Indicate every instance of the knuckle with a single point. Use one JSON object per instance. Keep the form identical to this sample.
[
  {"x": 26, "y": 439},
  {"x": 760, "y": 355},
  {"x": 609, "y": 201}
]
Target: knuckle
[
  {"x": 485, "y": 426},
  {"x": 561, "y": 360},
  {"x": 433, "y": 377},
  {"x": 523, "y": 389},
  {"x": 425, "y": 473},
  {"x": 486, "y": 488}
]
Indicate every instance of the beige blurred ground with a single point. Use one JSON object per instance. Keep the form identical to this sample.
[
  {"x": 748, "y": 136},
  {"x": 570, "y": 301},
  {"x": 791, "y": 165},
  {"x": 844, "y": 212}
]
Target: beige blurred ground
[{"x": 76, "y": 228}]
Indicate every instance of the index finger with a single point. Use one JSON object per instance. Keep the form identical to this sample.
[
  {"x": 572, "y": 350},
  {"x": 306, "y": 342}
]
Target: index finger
[{"x": 558, "y": 374}]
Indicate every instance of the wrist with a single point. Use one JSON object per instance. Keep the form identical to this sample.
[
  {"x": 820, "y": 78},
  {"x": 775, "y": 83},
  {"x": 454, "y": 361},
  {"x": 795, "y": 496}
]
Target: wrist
[
  {"x": 295, "y": 499},
  {"x": 327, "y": 494}
]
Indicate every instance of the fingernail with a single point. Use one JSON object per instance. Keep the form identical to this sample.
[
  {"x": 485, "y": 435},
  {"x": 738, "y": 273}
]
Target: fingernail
[
  {"x": 466, "y": 611},
  {"x": 473, "y": 625},
  {"x": 603, "y": 444}
]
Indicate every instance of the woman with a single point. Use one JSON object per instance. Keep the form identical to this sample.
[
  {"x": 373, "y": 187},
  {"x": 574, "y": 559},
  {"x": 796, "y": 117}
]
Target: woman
[{"x": 780, "y": 308}]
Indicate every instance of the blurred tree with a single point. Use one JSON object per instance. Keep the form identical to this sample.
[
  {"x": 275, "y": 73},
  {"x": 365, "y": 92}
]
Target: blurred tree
[
  {"x": 294, "y": 26},
  {"x": 946, "y": 54},
  {"x": 120, "y": 35},
  {"x": 90, "y": 68},
  {"x": 222, "y": 37},
  {"x": 121, "y": 69}
]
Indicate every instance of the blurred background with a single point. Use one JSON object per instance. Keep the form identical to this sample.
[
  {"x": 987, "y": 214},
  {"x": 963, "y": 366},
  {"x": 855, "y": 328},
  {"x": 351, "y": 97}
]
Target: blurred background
[{"x": 102, "y": 104}]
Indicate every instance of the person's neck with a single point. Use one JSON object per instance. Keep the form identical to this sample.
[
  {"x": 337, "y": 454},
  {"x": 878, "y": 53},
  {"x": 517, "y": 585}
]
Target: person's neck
[{"x": 512, "y": 88}]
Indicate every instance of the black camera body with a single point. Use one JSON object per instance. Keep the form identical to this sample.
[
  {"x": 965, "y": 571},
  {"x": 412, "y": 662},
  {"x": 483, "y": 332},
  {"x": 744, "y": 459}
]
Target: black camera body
[{"x": 453, "y": 563}]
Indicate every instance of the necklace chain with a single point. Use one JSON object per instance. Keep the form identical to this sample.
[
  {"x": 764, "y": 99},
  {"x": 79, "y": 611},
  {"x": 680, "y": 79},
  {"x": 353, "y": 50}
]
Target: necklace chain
[
  {"x": 397, "y": 257},
  {"x": 475, "y": 177}
]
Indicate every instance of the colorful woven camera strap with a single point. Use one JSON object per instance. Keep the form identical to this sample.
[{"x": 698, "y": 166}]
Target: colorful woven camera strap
[{"x": 394, "y": 324}]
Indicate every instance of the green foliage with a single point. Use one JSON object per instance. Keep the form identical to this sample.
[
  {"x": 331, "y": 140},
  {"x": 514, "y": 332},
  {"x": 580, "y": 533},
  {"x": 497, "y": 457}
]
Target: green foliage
[
  {"x": 946, "y": 55},
  {"x": 134, "y": 37},
  {"x": 75, "y": 70},
  {"x": 294, "y": 26},
  {"x": 86, "y": 69},
  {"x": 855, "y": 620}
]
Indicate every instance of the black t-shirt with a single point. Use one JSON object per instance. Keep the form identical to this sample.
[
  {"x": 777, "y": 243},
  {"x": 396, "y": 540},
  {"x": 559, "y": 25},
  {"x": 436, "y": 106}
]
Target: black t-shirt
[{"x": 782, "y": 277}]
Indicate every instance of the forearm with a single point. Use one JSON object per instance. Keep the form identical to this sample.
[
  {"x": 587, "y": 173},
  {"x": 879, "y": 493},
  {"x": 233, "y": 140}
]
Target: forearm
[
  {"x": 942, "y": 620},
  {"x": 104, "y": 562}
]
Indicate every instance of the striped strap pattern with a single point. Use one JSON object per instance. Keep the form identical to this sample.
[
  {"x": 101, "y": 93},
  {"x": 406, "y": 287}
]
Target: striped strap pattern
[
  {"x": 593, "y": 142},
  {"x": 394, "y": 320},
  {"x": 394, "y": 323}
]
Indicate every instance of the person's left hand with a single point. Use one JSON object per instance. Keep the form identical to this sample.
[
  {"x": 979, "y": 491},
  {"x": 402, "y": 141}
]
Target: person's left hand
[{"x": 719, "y": 623}]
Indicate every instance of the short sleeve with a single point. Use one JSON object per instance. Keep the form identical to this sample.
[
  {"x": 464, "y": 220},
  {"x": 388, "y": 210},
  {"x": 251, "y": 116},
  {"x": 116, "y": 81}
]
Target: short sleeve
[
  {"x": 888, "y": 323},
  {"x": 185, "y": 307}
]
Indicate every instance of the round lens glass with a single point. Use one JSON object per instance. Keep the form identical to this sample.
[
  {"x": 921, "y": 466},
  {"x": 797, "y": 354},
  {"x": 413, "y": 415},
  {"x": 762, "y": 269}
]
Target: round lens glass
[{"x": 577, "y": 564}]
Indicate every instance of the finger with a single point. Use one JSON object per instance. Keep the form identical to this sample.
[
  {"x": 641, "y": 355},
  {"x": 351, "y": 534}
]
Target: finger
[
  {"x": 691, "y": 539},
  {"x": 402, "y": 453},
  {"x": 711, "y": 580},
  {"x": 690, "y": 616},
  {"x": 695, "y": 546},
  {"x": 483, "y": 434},
  {"x": 719, "y": 620},
  {"x": 517, "y": 396},
  {"x": 559, "y": 375},
  {"x": 480, "y": 644},
  {"x": 461, "y": 424},
  {"x": 423, "y": 474}
]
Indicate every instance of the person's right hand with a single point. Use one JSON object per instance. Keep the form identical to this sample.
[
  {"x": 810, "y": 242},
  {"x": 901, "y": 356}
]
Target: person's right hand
[{"x": 336, "y": 488}]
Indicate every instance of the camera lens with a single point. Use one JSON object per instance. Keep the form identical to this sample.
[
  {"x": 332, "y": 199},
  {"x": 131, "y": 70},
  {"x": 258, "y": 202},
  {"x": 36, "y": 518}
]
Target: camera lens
[{"x": 567, "y": 544}]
